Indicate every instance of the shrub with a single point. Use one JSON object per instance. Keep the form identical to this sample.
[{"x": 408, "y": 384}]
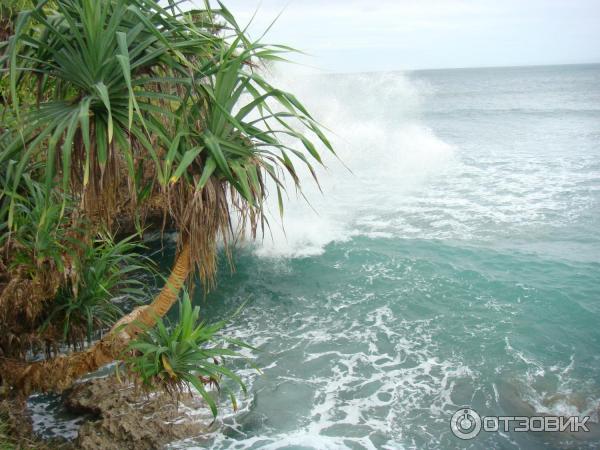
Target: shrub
[
  {"x": 100, "y": 275},
  {"x": 39, "y": 233},
  {"x": 184, "y": 355}
]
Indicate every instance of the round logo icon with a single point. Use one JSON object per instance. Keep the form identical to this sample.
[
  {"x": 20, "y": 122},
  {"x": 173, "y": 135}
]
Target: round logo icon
[{"x": 465, "y": 423}]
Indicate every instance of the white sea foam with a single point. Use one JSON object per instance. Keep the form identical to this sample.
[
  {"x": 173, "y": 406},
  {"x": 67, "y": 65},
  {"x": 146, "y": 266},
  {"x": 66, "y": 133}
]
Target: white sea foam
[
  {"x": 368, "y": 395},
  {"x": 407, "y": 182},
  {"x": 46, "y": 421},
  {"x": 385, "y": 149}
]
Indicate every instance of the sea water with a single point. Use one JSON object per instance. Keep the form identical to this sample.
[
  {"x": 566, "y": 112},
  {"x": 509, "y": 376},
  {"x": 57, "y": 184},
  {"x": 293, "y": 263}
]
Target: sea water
[{"x": 453, "y": 259}]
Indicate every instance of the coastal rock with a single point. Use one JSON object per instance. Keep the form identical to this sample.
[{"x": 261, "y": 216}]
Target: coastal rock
[{"x": 128, "y": 418}]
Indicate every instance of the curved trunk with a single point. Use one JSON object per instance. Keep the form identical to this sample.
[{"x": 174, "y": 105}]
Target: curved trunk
[
  {"x": 58, "y": 373},
  {"x": 165, "y": 298}
]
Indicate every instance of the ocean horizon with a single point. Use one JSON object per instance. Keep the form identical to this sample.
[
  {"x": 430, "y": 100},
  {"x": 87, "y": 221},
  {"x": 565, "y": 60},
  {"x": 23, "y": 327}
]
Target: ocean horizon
[{"x": 433, "y": 69}]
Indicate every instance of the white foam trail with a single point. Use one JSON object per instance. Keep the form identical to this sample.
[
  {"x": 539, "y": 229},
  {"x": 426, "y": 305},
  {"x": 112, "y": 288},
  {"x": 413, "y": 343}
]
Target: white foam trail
[{"x": 377, "y": 135}]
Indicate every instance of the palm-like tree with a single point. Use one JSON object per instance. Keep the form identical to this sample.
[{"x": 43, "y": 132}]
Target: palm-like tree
[{"x": 124, "y": 103}]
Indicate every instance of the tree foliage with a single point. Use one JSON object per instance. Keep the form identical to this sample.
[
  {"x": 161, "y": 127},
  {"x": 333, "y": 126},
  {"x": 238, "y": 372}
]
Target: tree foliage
[{"x": 112, "y": 109}]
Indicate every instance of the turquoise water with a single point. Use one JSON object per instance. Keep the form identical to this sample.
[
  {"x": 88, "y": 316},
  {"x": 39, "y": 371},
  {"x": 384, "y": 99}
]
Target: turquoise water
[{"x": 458, "y": 264}]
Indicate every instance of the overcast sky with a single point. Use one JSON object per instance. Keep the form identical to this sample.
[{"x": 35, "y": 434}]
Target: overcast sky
[{"x": 363, "y": 35}]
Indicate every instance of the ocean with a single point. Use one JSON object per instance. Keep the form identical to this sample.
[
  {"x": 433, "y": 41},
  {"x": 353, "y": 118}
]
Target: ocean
[{"x": 452, "y": 259}]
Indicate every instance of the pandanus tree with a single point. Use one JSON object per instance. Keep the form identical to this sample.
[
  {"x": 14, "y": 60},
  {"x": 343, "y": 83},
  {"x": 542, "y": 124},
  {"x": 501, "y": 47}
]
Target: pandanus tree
[{"x": 122, "y": 104}]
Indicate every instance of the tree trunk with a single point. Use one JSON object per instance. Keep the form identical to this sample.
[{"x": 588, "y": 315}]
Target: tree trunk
[
  {"x": 166, "y": 297},
  {"x": 58, "y": 373}
]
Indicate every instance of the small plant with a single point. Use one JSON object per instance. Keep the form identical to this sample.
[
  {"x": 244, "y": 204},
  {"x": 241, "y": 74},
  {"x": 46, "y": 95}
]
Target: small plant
[
  {"x": 103, "y": 272},
  {"x": 177, "y": 357},
  {"x": 40, "y": 237},
  {"x": 5, "y": 443}
]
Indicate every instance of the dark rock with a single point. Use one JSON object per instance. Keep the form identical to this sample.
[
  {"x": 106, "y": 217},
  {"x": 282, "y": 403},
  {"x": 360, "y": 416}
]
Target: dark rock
[{"x": 130, "y": 419}]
